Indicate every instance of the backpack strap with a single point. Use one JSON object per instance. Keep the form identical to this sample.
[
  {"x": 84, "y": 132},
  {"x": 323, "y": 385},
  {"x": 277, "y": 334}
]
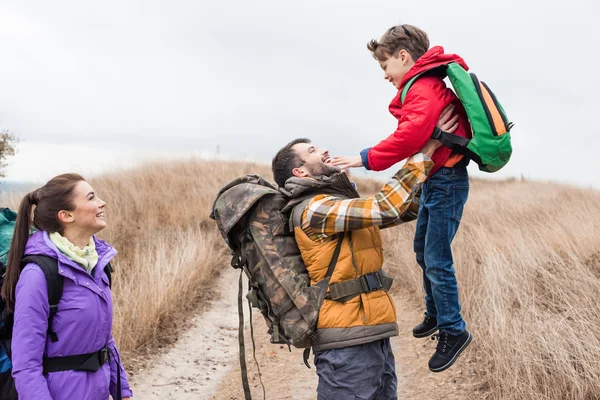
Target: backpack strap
[
  {"x": 241, "y": 344},
  {"x": 330, "y": 269},
  {"x": 91, "y": 362},
  {"x": 407, "y": 87},
  {"x": 296, "y": 215},
  {"x": 303, "y": 201},
  {"x": 336, "y": 255},
  {"x": 346, "y": 290},
  {"x": 456, "y": 143},
  {"x": 440, "y": 71},
  {"x": 108, "y": 271},
  {"x": 55, "y": 282}
]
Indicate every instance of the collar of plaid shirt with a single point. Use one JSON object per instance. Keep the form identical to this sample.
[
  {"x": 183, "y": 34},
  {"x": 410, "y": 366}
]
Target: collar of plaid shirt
[{"x": 300, "y": 189}]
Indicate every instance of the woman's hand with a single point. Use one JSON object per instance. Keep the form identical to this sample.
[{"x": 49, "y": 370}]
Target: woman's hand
[{"x": 345, "y": 162}]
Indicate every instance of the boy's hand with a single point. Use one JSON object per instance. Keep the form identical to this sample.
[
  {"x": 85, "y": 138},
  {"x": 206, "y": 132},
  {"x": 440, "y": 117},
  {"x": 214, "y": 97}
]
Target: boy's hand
[
  {"x": 347, "y": 162},
  {"x": 446, "y": 122}
]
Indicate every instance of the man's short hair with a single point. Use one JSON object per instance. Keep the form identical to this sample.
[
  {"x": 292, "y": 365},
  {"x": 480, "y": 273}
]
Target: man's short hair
[
  {"x": 407, "y": 37},
  {"x": 286, "y": 160}
]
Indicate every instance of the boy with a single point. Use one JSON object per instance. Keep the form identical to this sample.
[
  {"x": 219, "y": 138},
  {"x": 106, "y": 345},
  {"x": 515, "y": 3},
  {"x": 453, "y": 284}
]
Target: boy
[{"x": 403, "y": 53}]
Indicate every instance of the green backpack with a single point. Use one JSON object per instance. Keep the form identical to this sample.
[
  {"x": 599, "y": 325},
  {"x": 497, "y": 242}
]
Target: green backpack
[{"x": 490, "y": 146}]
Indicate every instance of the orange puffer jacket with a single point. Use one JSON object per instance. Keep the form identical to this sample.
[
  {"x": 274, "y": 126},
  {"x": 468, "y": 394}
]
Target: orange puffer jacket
[{"x": 364, "y": 318}]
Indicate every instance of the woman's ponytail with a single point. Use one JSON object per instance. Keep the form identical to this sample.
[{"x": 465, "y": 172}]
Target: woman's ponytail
[{"x": 17, "y": 248}]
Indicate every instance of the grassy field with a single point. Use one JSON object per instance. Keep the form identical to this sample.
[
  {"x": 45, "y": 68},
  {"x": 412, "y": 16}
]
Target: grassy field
[{"x": 527, "y": 257}]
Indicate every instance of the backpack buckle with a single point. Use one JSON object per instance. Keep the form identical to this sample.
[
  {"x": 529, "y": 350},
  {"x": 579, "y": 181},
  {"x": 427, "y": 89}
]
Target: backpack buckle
[
  {"x": 370, "y": 282},
  {"x": 103, "y": 355}
]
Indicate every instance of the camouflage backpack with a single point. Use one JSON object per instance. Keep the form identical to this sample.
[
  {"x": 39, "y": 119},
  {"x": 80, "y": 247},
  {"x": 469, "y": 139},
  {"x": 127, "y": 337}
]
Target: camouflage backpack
[{"x": 250, "y": 215}]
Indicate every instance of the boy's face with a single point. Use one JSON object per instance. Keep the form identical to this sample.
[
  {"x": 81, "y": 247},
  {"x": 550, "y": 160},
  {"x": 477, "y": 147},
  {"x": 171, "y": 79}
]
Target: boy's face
[{"x": 395, "y": 67}]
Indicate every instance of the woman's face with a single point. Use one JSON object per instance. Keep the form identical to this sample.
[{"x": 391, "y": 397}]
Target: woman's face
[{"x": 88, "y": 214}]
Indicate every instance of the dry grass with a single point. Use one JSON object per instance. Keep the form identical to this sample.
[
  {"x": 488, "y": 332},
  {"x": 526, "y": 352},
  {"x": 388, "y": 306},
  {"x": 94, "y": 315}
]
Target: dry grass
[
  {"x": 528, "y": 266},
  {"x": 527, "y": 258},
  {"x": 169, "y": 249}
]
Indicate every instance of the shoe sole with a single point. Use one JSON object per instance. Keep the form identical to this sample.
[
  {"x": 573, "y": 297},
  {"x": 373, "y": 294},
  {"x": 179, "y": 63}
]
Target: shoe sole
[
  {"x": 428, "y": 333},
  {"x": 449, "y": 364}
]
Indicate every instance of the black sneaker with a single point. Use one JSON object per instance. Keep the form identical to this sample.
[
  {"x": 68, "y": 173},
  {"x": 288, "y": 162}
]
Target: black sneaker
[
  {"x": 427, "y": 327},
  {"x": 448, "y": 349}
]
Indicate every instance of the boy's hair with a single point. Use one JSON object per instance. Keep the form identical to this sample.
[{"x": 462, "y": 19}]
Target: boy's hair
[
  {"x": 285, "y": 161},
  {"x": 408, "y": 37}
]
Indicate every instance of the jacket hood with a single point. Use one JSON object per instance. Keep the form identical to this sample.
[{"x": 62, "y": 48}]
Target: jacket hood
[
  {"x": 299, "y": 189},
  {"x": 434, "y": 57}
]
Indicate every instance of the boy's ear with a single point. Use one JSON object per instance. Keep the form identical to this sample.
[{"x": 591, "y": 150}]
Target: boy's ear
[
  {"x": 300, "y": 172},
  {"x": 405, "y": 56}
]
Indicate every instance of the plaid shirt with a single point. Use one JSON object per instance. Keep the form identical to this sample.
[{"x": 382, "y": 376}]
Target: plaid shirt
[{"x": 327, "y": 215}]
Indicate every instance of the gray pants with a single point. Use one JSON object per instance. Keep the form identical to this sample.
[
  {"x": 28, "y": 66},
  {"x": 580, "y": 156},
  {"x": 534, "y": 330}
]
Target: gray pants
[{"x": 363, "y": 372}]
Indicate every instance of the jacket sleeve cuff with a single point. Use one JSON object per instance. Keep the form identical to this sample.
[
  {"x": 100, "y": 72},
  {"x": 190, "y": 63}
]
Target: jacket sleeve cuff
[
  {"x": 365, "y": 158},
  {"x": 421, "y": 164}
]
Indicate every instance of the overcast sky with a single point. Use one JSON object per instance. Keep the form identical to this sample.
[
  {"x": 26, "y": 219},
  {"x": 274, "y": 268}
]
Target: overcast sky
[{"x": 91, "y": 85}]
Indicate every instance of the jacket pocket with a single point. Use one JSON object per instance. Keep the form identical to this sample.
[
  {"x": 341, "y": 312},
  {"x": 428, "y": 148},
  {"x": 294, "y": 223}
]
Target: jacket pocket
[
  {"x": 460, "y": 194},
  {"x": 379, "y": 308},
  {"x": 334, "y": 314}
]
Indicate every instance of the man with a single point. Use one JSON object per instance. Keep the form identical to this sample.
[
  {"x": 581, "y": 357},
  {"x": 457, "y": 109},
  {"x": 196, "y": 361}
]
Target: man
[{"x": 353, "y": 355}]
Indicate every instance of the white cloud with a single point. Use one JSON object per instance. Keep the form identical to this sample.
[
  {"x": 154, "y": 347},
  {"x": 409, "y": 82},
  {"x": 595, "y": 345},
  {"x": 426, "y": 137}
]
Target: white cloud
[{"x": 132, "y": 76}]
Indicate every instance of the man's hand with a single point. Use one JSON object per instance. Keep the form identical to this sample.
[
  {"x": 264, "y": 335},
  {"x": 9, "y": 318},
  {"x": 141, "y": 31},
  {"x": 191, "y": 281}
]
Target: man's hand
[
  {"x": 345, "y": 162},
  {"x": 430, "y": 147},
  {"x": 447, "y": 123}
]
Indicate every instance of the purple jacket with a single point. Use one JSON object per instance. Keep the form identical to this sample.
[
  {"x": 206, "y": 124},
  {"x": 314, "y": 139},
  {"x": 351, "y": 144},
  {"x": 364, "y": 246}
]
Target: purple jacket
[{"x": 83, "y": 324}]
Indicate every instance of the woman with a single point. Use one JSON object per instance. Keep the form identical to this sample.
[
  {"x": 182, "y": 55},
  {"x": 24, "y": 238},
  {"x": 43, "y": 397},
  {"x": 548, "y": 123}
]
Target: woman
[{"x": 67, "y": 214}]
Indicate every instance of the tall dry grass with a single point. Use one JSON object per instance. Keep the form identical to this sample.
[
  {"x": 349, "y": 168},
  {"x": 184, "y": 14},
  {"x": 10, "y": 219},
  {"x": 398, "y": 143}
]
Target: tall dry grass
[
  {"x": 169, "y": 249},
  {"x": 527, "y": 257}
]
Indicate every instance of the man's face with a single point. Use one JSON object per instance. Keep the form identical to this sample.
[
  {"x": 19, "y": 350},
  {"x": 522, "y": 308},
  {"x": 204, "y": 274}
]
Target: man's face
[
  {"x": 316, "y": 161},
  {"x": 396, "y": 67}
]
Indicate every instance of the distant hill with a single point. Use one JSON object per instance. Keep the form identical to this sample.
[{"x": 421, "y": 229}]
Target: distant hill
[{"x": 9, "y": 186}]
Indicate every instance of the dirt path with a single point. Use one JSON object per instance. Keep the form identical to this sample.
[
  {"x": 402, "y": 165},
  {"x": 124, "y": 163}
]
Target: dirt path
[
  {"x": 204, "y": 363},
  {"x": 202, "y": 357}
]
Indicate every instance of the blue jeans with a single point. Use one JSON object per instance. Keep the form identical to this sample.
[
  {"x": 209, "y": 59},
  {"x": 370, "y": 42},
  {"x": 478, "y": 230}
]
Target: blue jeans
[
  {"x": 365, "y": 372},
  {"x": 442, "y": 202}
]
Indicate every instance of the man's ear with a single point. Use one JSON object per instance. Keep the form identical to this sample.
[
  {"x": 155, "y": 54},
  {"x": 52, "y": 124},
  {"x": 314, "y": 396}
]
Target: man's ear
[
  {"x": 300, "y": 172},
  {"x": 65, "y": 217}
]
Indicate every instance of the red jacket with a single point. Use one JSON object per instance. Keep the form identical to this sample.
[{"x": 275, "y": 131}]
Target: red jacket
[{"x": 417, "y": 117}]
